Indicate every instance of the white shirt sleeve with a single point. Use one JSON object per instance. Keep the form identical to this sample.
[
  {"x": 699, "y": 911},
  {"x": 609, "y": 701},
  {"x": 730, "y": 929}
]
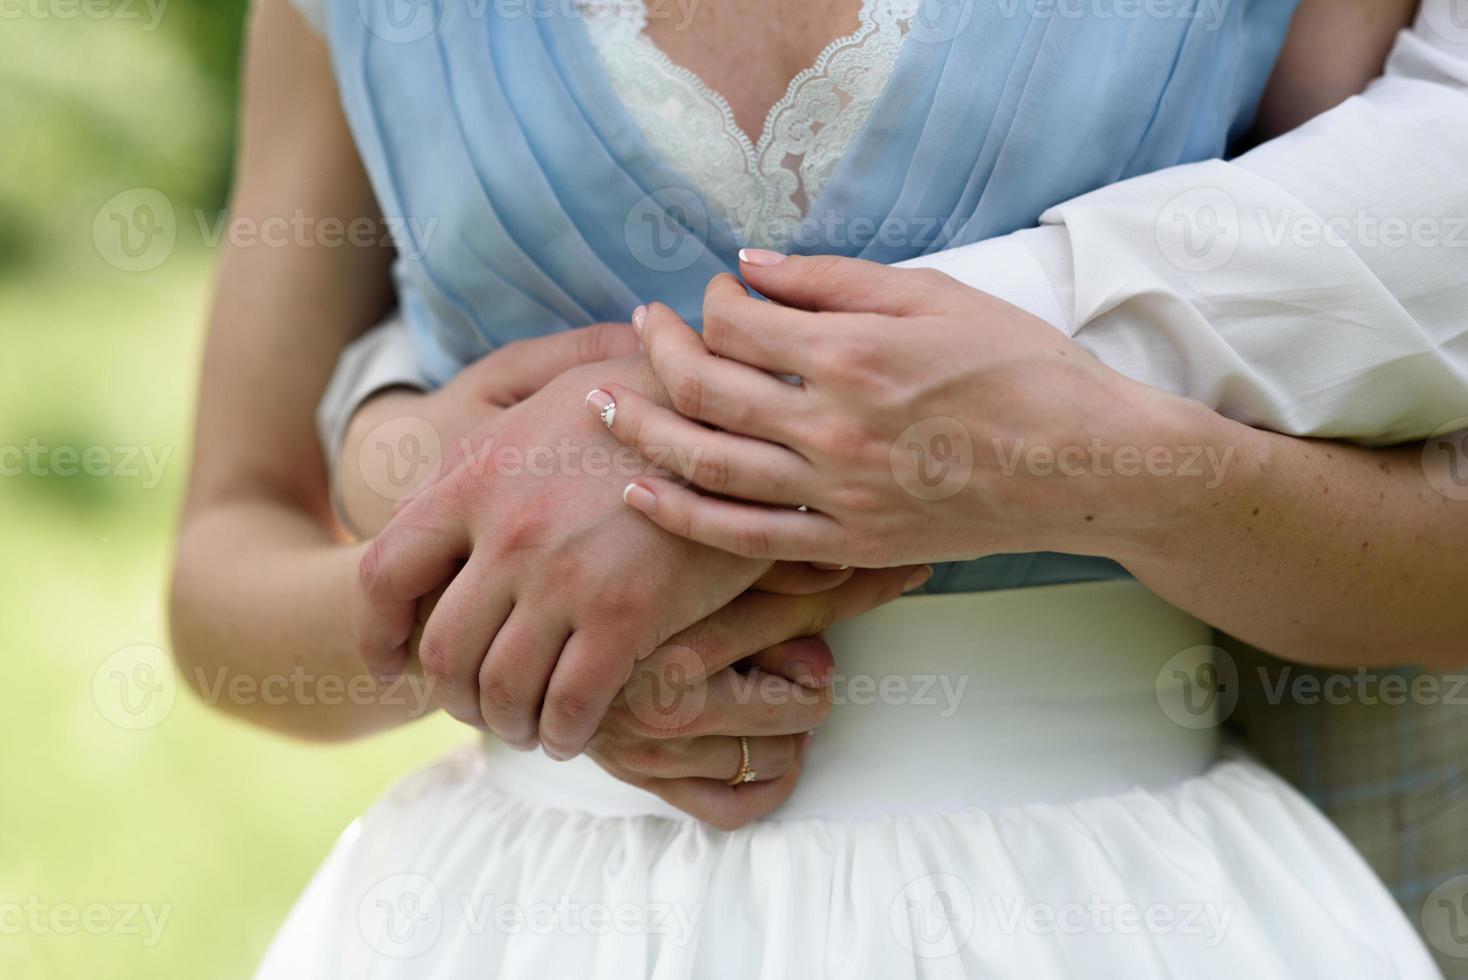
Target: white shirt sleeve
[
  {"x": 379, "y": 359},
  {"x": 1317, "y": 285}
]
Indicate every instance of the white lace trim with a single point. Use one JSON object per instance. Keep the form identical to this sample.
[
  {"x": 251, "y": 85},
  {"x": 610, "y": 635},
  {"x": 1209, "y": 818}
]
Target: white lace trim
[{"x": 765, "y": 189}]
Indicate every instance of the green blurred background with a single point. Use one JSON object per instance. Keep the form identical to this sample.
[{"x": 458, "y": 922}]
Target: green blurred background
[{"x": 180, "y": 812}]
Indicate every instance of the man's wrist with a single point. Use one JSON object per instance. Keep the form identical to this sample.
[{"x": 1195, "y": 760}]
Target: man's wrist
[
  {"x": 1194, "y": 465},
  {"x": 358, "y": 498}
]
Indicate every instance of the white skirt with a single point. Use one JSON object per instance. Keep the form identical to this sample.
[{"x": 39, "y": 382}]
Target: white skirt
[{"x": 1021, "y": 784}]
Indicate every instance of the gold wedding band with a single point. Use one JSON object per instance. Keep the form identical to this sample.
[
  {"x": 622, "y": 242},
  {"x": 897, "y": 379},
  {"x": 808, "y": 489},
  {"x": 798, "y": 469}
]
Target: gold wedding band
[{"x": 745, "y": 773}]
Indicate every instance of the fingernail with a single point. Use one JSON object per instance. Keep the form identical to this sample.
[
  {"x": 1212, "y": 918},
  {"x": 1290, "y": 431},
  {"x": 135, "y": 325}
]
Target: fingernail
[
  {"x": 822, "y": 566},
  {"x": 639, "y": 497},
  {"x": 604, "y": 405},
  {"x": 639, "y": 317},
  {"x": 918, "y": 577},
  {"x": 760, "y": 257},
  {"x": 388, "y": 678}
]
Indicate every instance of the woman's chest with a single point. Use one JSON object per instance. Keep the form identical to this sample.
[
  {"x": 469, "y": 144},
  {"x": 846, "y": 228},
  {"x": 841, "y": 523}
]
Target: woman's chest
[
  {"x": 747, "y": 51},
  {"x": 498, "y": 125}
]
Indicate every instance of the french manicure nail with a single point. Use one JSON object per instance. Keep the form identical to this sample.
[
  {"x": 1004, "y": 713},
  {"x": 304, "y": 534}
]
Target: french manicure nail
[
  {"x": 638, "y": 497},
  {"x": 604, "y": 405},
  {"x": 760, "y": 257},
  {"x": 639, "y": 317},
  {"x": 918, "y": 577}
]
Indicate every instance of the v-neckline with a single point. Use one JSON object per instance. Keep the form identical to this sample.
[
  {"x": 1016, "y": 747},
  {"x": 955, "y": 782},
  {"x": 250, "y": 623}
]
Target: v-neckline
[
  {"x": 754, "y": 145},
  {"x": 588, "y": 77}
]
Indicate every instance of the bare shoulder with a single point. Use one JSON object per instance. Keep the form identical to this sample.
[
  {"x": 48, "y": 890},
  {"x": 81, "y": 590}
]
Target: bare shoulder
[{"x": 1334, "y": 48}]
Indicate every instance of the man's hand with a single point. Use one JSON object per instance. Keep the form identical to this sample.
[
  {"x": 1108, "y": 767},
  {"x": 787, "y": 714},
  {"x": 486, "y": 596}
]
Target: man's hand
[
  {"x": 756, "y": 668},
  {"x": 556, "y": 589},
  {"x": 435, "y": 423}
]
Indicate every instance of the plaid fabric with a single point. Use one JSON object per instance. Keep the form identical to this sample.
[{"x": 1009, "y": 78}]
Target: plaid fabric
[{"x": 1384, "y": 754}]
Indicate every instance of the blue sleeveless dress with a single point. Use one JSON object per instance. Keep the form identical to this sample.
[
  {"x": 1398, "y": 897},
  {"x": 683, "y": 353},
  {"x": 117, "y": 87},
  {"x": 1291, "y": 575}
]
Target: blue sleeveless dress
[
  {"x": 1054, "y": 823},
  {"x": 531, "y": 202}
]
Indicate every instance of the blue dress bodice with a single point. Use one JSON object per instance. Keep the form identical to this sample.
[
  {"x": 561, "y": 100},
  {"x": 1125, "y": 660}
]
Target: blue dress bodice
[{"x": 526, "y": 199}]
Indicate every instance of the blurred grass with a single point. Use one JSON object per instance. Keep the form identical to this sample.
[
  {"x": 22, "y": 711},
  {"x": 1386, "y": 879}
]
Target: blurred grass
[{"x": 215, "y": 824}]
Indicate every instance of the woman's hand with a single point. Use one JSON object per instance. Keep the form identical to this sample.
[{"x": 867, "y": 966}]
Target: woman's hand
[
  {"x": 555, "y": 589},
  {"x": 931, "y": 422},
  {"x": 756, "y": 668},
  {"x": 401, "y": 438}
]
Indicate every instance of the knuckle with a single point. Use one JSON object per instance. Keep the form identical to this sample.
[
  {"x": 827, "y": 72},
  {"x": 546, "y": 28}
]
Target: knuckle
[
  {"x": 372, "y": 572},
  {"x": 713, "y": 472},
  {"x": 828, "y": 269},
  {"x": 923, "y": 285},
  {"x": 643, "y": 755},
  {"x": 857, "y": 358},
  {"x": 858, "y": 499},
  {"x": 933, "y": 279},
  {"x": 716, "y": 322},
  {"x": 436, "y": 656},
  {"x": 569, "y": 705},
  {"x": 753, "y": 542},
  {"x": 500, "y": 698},
  {"x": 842, "y": 439},
  {"x": 687, "y": 394},
  {"x": 617, "y": 604},
  {"x": 591, "y": 344}
]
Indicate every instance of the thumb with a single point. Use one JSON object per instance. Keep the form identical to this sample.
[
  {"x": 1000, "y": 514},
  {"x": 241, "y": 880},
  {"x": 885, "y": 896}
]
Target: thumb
[
  {"x": 833, "y": 283},
  {"x": 520, "y": 369},
  {"x": 806, "y": 661}
]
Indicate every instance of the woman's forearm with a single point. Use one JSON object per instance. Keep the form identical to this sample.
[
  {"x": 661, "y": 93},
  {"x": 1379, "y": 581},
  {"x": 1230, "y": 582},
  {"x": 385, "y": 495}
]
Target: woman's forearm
[
  {"x": 260, "y": 581},
  {"x": 1323, "y": 553},
  {"x": 260, "y": 604}
]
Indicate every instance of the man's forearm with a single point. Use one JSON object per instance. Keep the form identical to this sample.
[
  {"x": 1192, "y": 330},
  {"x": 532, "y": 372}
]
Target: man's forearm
[
  {"x": 1323, "y": 553},
  {"x": 1316, "y": 286}
]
